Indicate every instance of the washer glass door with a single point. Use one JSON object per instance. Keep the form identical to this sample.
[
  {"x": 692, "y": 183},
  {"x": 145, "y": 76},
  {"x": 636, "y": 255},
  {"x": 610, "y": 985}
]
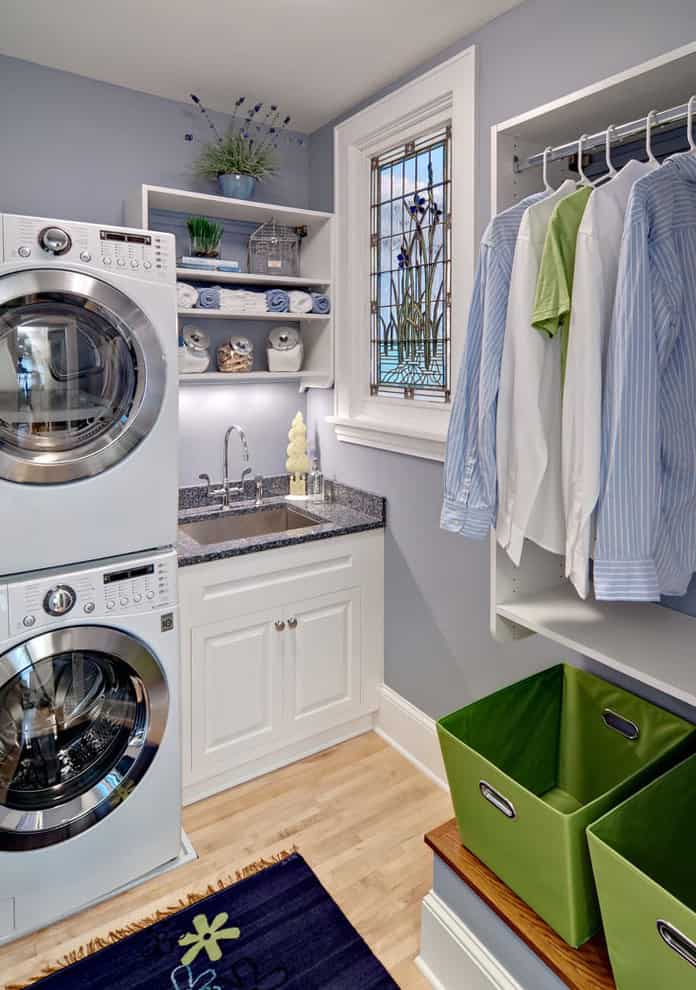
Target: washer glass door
[
  {"x": 81, "y": 376},
  {"x": 82, "y": 713}
]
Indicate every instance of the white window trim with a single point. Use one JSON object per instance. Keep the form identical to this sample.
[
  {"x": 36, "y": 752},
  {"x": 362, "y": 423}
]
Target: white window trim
[{"x": 446, "y": 93}]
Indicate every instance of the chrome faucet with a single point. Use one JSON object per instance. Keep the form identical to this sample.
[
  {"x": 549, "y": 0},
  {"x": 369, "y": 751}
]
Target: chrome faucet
[{"x": 227, "y": 488}]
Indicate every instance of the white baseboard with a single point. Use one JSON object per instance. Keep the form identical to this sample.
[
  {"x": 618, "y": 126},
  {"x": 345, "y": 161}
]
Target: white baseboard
[
  {"x": 199, "y": 790},
  {"x": 397, "y": 721},
  {"x": 452, "y": 958},
  {"x": 412, "y": 732}
]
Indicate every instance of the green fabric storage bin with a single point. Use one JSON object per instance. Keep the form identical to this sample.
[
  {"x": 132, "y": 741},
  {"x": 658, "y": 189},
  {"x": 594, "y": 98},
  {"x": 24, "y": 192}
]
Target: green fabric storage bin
[
  {"x": 531, "y": 766},
  {"x": 645, "y": 868}
]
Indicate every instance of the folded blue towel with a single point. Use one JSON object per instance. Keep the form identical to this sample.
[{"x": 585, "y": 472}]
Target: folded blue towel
[
  {"x": 321, "y": 304},
  {"x": 277, "y": 301},
  {"x": 209, "y": 297}
]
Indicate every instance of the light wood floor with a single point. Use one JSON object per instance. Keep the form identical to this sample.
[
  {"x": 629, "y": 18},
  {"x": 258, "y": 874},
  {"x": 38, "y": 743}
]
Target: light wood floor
[{"x": 356, "y": 812}]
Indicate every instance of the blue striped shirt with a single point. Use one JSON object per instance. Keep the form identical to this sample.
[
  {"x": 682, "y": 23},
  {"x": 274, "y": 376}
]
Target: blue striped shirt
[
  {"x": 470, "y": 501},
  {"x": 646, "y": 526}
]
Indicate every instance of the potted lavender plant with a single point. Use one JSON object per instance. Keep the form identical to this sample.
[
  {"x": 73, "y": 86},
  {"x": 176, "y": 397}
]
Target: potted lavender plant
[{"x": 247, "y": 152}]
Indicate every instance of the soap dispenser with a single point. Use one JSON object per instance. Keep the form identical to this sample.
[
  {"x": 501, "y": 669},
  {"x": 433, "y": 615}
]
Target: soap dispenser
[{"x": 315, "y": 482}]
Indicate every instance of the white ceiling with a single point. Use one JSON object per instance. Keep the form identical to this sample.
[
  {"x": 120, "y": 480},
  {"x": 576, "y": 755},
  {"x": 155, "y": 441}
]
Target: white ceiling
[{"x": 316, "y": 58}]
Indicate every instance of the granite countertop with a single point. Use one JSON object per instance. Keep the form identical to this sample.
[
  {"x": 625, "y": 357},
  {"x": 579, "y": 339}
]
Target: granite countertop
[{"x": 351, "y": 511}]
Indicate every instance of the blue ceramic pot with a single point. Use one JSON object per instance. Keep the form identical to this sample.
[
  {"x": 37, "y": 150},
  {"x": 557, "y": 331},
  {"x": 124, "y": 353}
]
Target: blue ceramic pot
[{"x": 237, "y": 186}]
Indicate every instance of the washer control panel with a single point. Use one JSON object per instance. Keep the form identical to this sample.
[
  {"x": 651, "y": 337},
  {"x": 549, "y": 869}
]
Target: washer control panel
[
  {"x": 127, "y": 586},
  {"x": 143, "y": 254}
]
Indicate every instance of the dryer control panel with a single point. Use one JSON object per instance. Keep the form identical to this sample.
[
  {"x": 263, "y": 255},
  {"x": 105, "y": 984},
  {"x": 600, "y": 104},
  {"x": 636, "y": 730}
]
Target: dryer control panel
[
  {"x": 142, "y": 254},
  {"x": 125, "y": 586}
]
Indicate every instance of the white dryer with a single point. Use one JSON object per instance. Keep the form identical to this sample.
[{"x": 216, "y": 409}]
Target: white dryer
[
  {"x": 88, "y": 392},
  {"x": 90, "y": 778}
]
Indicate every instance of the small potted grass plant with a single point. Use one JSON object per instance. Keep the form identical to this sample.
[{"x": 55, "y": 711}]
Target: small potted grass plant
[
  {"x": 246, "y": 153},
  {"x": 205, "y": 237}
]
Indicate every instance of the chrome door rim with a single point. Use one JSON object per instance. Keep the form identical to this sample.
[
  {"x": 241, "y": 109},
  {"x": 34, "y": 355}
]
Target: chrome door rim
[
  {"x": 23, "y": 830},
  {"x": 121, "y": 438}
]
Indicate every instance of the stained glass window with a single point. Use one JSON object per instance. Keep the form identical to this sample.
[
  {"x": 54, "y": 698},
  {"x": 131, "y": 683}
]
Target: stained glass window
[{"x": 410, "y": 269}]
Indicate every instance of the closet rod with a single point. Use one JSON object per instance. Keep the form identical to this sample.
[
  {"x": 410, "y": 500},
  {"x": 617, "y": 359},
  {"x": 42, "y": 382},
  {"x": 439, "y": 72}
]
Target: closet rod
[{"x": 630, "y": 129}]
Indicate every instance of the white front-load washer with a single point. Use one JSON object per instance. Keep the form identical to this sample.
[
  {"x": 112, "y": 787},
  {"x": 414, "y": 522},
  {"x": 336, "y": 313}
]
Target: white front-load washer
[
  {"x": 88, "y": 392},
  {"x": 90, "y": 768}
]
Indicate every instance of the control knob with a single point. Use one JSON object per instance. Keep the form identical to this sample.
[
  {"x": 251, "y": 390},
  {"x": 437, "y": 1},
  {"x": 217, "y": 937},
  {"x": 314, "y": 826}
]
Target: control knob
[
  {"x": 59, "y": 600},
  {"x": 55, "y": 240}
]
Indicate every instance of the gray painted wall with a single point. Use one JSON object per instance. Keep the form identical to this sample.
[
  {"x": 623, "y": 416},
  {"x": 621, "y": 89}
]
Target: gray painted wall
[
  {"x": 439, "y": 654},
  {"x": 77, "y": 148},
  {"x": 265, "y": 412}
]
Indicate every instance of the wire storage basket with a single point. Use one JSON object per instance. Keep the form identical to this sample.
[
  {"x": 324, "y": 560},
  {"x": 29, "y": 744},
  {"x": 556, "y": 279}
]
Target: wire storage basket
[{"x": 274, "y": 249}]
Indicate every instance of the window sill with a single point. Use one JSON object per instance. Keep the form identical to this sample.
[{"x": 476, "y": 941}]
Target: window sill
[{"x": 413, "y": 442}]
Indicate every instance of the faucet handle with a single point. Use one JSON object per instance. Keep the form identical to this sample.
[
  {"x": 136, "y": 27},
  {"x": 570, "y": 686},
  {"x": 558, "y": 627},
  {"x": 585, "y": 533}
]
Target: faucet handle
[
  {"x": 259, "y": 488},
  {"x": 245, "y": 473},
  {"x": 206, "y": 478}
]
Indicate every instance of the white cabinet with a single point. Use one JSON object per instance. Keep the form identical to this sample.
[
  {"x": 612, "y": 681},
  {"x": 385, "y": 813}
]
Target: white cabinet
[
  {"x": 236, "y": 691},
  {"x": 282, "y": 654},
  {"x": 322, "y": 662}
]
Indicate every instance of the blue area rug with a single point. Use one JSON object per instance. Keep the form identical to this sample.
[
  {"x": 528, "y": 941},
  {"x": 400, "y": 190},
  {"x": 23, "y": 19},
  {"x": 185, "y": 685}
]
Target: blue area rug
[{"x": 275, "y": 930}]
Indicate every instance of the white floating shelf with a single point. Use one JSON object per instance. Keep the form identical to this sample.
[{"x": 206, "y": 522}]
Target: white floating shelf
[
  {"x": 650, "y": 643},
  {"x": 226, "y": 208},
  {"x": 245, "y": 278},
  {"x": 251, "y": 377},
  {"x": 221, "y": 314}
]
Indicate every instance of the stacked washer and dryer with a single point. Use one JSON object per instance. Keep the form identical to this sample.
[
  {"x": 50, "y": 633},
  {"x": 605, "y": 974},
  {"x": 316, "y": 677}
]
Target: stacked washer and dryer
[{"x": 90, "y": 792}]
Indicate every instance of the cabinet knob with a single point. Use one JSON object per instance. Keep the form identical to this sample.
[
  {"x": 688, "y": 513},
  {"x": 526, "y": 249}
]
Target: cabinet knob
[
  {"x": 280, "y": 625},
  {"x": 292, "y": 623}
]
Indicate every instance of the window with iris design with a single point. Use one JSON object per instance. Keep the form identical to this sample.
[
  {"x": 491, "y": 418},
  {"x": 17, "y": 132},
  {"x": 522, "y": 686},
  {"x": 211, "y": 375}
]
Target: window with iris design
[{"x": 410, "y": 270}]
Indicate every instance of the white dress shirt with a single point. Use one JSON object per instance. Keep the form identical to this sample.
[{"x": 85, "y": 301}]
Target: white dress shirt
[
  {"x": 529, "y": 404},
  {"x": 594, "y": 285}
]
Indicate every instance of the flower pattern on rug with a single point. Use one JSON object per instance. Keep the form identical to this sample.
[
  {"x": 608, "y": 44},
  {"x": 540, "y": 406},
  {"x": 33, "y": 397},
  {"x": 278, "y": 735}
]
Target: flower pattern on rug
[
  {"x": 207, "y": 936},
  {"x": 183, "y": 979},
  {"x": 246, "y": 977}
]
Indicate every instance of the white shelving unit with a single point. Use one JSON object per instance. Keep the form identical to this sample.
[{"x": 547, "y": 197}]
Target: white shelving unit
[
  {"x": 244, "y": 278},
  {"x": 247, "y": 378},
  {"x": 316, "y": 272},
  {"x": 219, "y": 314},
  {"x": 652, "y": 644}
]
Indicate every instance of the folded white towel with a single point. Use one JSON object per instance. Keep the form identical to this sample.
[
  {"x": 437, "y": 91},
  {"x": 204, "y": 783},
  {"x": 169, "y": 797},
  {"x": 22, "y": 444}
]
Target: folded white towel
[
  {"x": 242, "y": 301},
  {"x": 186, "y": 295},
  {"x": 300, "y": 302}
]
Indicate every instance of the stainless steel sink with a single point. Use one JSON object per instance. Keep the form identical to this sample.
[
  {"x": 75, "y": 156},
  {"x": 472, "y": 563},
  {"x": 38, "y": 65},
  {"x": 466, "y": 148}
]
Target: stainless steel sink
[{"x": 238, "y": 525}]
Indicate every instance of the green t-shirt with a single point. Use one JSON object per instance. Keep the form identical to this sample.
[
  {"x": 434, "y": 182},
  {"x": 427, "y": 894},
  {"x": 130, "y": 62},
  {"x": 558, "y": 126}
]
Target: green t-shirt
[{"x": 554, "y": 290}]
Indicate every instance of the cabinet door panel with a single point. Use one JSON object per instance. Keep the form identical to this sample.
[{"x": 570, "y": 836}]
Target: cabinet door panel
[
  {"x": 323, "y": 662},
  {"x": 236, "y": 692}
]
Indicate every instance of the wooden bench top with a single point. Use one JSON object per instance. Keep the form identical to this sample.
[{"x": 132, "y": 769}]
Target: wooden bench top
[{"x": 586, "y": 968}]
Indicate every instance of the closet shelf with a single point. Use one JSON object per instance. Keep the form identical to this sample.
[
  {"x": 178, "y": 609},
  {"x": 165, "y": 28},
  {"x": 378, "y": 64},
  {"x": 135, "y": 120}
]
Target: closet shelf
[
  {"x": 245, "y": 278},
  {"x": 650, "y": 643},
  {"x": 220, "y": 314}
]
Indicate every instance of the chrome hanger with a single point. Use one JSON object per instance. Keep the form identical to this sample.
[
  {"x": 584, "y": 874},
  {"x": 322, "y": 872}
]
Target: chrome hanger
[
  {"x": 584, "y": 181},
  {"x": 689, "y": 123},
  {"x": 607, "y": 152},
  {"x": 545, "y": 169},
  {"x": 649, "y": 124}
]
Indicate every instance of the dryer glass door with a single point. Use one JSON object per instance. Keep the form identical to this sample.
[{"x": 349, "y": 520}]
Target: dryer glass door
[
  {"x": 81, "y": 717},
  {"x": 81, "y": 376}
]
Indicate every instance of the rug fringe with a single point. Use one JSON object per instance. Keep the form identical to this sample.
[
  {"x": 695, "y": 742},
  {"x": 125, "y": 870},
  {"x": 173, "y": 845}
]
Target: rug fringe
[{"x": 118, "y": 934}]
